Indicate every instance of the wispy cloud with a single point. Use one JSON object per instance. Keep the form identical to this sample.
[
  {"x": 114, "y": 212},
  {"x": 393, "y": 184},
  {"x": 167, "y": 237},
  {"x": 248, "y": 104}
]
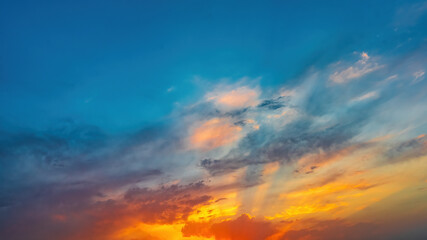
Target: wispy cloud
[
  {"x": 409, "y": 14},
  {"x": 357, "y": 70},
  {"x": 170, "y": 89},
  {"x": 418, "y": 76},
  {"x": 366, "y": 96}
]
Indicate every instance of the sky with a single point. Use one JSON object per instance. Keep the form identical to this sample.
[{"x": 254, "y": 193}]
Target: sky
[{"x": 213, "y": 120}]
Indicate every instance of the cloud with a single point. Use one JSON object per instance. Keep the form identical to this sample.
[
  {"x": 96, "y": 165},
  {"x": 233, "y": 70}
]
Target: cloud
[
  {"x": 71, "y": 178},
  {"x": 409, "y": 14},
  {"x": 366, "y": 96},
  {"x": 167, "y": 204},
  {"x": 243, "y": 227},
  {"x": 272, "y": 104},
  {"x": 418, "y": 76},
  {"x": 77, "y": 181},
  {"x": 392, "y": 77},
  {"x": 364, "y": 56},
  {"x": 214, "y": 133},
  {"x": 291, "y": 143},
  {"x": 249, "y": 228},
  {"x": 70, "y": 212},
  {"x": 407, "y": 150},
  {"x": 334, "y": 229},
  {"x": 240, "y": 97},
  {"x": 357, "y": 70},
  {"x": 170, "y": 89}
]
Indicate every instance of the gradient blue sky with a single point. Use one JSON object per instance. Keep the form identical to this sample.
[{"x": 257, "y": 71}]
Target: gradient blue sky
[{"x": 110, "y": 63}]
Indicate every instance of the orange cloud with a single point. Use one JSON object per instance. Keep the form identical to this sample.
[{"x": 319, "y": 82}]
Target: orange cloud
[
  {"x": 333, "y": 229},
  {"x": 242, "y": 228},
  {"x": 237, "y": 98},
  {"x": 214, "y": 133}
]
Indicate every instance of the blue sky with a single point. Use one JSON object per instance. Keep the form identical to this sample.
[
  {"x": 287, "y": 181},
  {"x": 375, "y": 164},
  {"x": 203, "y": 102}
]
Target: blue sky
[{"x": 110, "y": 63}]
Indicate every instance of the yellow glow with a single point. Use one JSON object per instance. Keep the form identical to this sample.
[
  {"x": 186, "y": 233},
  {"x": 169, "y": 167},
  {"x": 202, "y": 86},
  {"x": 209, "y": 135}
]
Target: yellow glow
[
  {"x": 154, "y": 232},
  {"x": 327, "y": 189},
  {"x": 224, "y": 208}
]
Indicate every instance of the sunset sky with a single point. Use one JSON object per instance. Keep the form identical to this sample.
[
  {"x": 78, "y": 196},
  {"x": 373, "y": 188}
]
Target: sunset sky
[{"x": 213, "y": 120}]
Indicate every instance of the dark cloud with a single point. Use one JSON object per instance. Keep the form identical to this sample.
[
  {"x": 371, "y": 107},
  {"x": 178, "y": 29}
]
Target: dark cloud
[
  {"x": 273, "y": 104},
  {"x": 293, "y": 142},
  {"x": 59, "y": 183},
  {"x": 74, "y": 151},
  {"x": 68, "y": 148},
  {"x": 167, "y": 204},
  {"x": 407, "y": 150},
  {"x": 72, "y": 211},
  {"x": 236, "y": 113}
]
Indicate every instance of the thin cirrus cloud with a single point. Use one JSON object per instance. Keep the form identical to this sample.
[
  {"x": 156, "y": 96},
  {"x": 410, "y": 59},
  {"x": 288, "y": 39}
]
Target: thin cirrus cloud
[
  {"x": 418, "y": 76},
  {"x": 359, "y": 69},
  {"x": 366, "y": 96}
]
